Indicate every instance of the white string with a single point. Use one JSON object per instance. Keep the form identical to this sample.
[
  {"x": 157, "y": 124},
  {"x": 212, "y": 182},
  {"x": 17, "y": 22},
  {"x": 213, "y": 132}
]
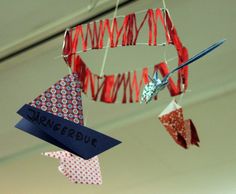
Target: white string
[
  {"x": 181, "y": 95},
  {"x": 119, "y": 45},
  {"x": 69, "y": 69},
  {"x": 119, "y": 16},
  {"x": 117, "y": 102},
  {"x": 164, "y": 4},
  {"x": 165, "y": 52},
  {"x": 92, "y": 4},
  {"x": 165, "y": 55},
  {"x": 108, "y": 40},
  {"x": 169, "y": 60}
]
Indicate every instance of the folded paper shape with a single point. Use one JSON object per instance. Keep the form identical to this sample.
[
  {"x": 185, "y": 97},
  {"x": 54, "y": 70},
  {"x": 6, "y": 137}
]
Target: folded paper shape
[
  {"x": 56, "y": 116},
  {"x": 182, "y": 131},
  {"x": 77, "y": 169},
  {"x": 190, "y": 128}
]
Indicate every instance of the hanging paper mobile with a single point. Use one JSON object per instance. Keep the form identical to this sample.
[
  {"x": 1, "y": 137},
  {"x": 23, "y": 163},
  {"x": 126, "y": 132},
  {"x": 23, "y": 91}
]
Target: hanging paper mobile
[
  {"x": 56, "y": 116},
  {"x": 107, "y": 88}
]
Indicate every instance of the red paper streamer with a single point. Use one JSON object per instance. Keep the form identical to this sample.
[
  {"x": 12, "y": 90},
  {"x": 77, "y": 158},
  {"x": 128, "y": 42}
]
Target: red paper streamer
[{"x": 107, "y": 87}]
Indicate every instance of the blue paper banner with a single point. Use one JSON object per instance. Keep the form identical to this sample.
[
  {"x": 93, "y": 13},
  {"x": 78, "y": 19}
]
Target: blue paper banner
[{"x": 75, "y": 138}]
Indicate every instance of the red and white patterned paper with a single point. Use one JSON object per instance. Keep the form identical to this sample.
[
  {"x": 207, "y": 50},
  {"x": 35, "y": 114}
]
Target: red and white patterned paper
[
  {"x": 182, "y": 131},
  {"x": 63, "y": 99},
  {"x": 77, "y": 169}
]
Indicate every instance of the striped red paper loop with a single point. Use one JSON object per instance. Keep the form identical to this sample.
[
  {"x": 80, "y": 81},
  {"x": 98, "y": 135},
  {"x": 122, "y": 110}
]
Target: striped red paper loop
[{"x": 106, "y": 88}]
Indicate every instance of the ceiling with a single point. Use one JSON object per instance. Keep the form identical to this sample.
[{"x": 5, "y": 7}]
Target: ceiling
[{"x": 147, "y": 161}]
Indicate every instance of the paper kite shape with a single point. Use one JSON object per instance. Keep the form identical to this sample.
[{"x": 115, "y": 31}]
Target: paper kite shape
[
  {"x": 182, "y": 131},
  {"x": 76, "y": 169},
  {"x": 56, "y": 116}
]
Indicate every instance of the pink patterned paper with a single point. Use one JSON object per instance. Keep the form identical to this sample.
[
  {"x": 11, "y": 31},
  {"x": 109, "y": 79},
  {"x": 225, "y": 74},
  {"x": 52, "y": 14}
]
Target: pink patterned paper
[{"x": 77, "y": 169}]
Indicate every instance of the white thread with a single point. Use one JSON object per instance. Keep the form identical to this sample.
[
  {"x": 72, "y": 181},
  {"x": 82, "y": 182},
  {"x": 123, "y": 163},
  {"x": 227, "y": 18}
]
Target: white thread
[
  {"x": 169, "y": 60},
  {"x": 69, "y": 69},
  {"x": 92, "y": 4},
  {"x": 181, "y": 95},
  {"x": 119, "y": 45},
  {"x": 108, "y": 40},
  {"x": 164, "y": 4}
]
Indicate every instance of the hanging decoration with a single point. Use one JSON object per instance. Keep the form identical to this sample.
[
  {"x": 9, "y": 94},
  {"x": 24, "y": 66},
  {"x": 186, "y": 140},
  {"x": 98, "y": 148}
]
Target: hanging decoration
[
  {"x": 182, "y": 131},
  {"x": 56, "y": 116},
  {"x": 107, "y": 87}
]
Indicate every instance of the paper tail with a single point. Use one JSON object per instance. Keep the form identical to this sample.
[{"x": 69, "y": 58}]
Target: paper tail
[{"x": 76, "y": 169}]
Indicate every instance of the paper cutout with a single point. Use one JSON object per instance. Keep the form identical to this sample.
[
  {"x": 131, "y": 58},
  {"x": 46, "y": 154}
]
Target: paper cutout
[
  {"x": 108, "y": 87},
  {"x": 156, "y": 85},
  {"x": 76, "y": 169},
  {"x": 56, "y": 116},
  {"x": 183, "y": 132}
]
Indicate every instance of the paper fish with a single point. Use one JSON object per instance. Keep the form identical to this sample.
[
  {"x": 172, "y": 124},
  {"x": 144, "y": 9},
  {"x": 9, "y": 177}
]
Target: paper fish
[
  {"x": 182, "y": 131},
  {"x": 56, "y": 116},
  {"x": 76, "y": 169},
  {"x": 156, "y": 85}
]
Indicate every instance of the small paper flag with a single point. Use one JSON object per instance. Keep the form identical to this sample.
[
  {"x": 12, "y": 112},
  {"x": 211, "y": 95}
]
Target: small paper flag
[{"x": 183, "y": 132}]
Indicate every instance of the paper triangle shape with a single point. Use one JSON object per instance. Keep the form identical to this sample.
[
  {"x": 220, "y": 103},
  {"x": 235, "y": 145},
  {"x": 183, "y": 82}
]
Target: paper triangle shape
[{"x": 62, "y": 99}]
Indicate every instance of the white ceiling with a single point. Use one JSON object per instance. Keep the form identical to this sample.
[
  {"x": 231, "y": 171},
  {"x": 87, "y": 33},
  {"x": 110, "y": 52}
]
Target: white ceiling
[{"x": 147, "y": 161}]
